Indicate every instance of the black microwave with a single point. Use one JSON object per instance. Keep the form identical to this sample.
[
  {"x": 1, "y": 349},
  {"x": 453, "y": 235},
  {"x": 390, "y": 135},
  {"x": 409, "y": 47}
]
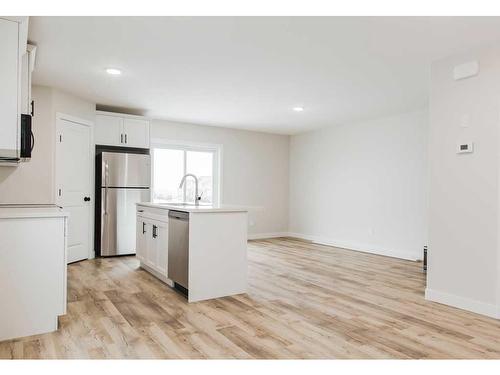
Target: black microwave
[{"x": 27, "y": 138}]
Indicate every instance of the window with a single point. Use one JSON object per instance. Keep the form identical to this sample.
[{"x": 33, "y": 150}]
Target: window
[{"x": 171, "y": 161}]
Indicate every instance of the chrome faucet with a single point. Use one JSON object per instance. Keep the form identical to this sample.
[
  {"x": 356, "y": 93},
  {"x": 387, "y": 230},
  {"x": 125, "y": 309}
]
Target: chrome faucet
[{"x": 197, "y": 197}]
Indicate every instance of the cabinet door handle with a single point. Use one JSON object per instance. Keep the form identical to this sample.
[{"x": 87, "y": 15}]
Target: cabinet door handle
[
  {"x": 125, "y": 138},
  {"x": 143, "y": 227},
  {"x": 155, "y": 229}
]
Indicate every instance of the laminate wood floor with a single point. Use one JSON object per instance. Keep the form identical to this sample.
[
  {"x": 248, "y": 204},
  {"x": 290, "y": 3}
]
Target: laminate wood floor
[{"x": 304, "y": 301}]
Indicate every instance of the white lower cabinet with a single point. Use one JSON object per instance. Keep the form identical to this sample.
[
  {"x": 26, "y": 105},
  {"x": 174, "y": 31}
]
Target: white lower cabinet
[
  {"x": 152, "y": 244},
  {"x": 140, "y": 236},
  {"x": 33, "y": 257},
  {"x": 160, "y": 244}
]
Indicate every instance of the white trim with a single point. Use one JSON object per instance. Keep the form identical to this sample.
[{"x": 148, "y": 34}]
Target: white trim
[
  {"x": 463, "y": 303},
  {"x": 18, "y": 19},
  {"x": 498, "y": 227},
  {"x": 184, "y": 144},
  {"x": 63, "y": 116},
  {"x": 217, "y": 150},
  {"x": 263, "y": 236},
  {"x": 407, "y": 255},
  {"x": 123, "y": 115},
  {"x": 365, "y": 248},
  {"x": 78, "y": 120}
]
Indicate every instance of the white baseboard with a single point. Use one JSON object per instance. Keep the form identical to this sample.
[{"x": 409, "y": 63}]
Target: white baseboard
[
  {"x": 263, "y": 236},
  {"x": 365, "y": 248},
  {"x": 463, "y": 303}
]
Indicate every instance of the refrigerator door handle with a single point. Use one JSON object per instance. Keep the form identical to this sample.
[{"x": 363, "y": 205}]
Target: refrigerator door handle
[{"x": 106, "y": 173}]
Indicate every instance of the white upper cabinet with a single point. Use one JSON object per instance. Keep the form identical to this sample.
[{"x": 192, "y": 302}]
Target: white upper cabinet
[
  {"x": 10, "y": 76},
  {"x": 108, "y": 130},
  {"x": 121, "y": 130},
  {"x": 136, "y": 133},
  {"x": 15, "y": 85}
]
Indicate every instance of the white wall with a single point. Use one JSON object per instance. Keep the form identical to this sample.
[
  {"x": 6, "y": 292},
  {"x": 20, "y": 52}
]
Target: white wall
[
  {"x": 464, "y": 189},
  {"x": 17, "y": 184},
  {"x": 69, "y": 104},
  {"x": 254, "y": 170},
  {"x": 362, "y": 186},
  {"x": 33, "y": 182}
]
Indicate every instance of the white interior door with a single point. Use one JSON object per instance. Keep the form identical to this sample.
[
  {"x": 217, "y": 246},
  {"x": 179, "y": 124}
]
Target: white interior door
[{"x": 73, "y": 191}]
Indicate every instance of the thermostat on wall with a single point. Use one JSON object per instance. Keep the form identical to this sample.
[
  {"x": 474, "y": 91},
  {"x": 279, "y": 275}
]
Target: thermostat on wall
[{"x": 465, "y": 148}]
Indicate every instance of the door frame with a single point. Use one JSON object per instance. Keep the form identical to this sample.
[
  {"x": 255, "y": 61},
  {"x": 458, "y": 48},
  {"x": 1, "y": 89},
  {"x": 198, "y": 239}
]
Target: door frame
[{"x": 63, "y": 116}]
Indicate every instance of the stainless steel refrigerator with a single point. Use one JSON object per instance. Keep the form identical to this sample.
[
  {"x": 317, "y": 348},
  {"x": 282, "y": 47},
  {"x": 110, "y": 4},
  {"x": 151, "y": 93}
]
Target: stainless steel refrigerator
[{"x": 122, "y": 179}]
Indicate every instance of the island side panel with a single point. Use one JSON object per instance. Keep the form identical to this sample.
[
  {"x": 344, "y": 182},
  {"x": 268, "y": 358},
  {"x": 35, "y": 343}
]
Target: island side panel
[{"x": 217, "y": 255}]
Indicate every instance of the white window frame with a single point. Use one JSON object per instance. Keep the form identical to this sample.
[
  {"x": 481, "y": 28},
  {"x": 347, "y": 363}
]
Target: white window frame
[{"x": 216, "y": 149}]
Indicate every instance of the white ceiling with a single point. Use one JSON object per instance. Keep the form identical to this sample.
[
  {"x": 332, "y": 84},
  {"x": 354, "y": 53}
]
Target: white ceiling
[{"x": 250, "y": 72}]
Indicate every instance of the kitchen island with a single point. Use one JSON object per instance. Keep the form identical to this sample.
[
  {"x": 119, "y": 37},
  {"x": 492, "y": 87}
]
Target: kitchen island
[{"x": 199, "y": 250}]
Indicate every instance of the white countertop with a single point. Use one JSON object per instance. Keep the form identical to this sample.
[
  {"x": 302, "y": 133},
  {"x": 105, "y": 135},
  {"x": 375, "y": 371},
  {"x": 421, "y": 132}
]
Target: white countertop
[
  {"x": 191, "y": 208},
  {"x": 11, "y": 211}
]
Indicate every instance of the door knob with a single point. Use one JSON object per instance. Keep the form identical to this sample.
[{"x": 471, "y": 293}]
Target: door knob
[{"x": 86, "y": 199}]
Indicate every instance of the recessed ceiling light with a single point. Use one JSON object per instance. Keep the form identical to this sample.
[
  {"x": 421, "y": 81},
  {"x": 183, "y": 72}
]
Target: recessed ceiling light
[
  {"x": 113, "y": 71},
  {"x": 298, "y": 109}
]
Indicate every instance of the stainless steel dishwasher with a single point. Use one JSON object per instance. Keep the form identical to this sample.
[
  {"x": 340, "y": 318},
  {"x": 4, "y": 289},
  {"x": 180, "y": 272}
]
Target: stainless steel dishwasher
[{"x": 178, "y": 249}]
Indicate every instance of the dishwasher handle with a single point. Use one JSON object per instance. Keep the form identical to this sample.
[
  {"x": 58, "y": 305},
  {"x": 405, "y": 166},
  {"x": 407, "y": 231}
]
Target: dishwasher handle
[{"x": 179, "y": 215}]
